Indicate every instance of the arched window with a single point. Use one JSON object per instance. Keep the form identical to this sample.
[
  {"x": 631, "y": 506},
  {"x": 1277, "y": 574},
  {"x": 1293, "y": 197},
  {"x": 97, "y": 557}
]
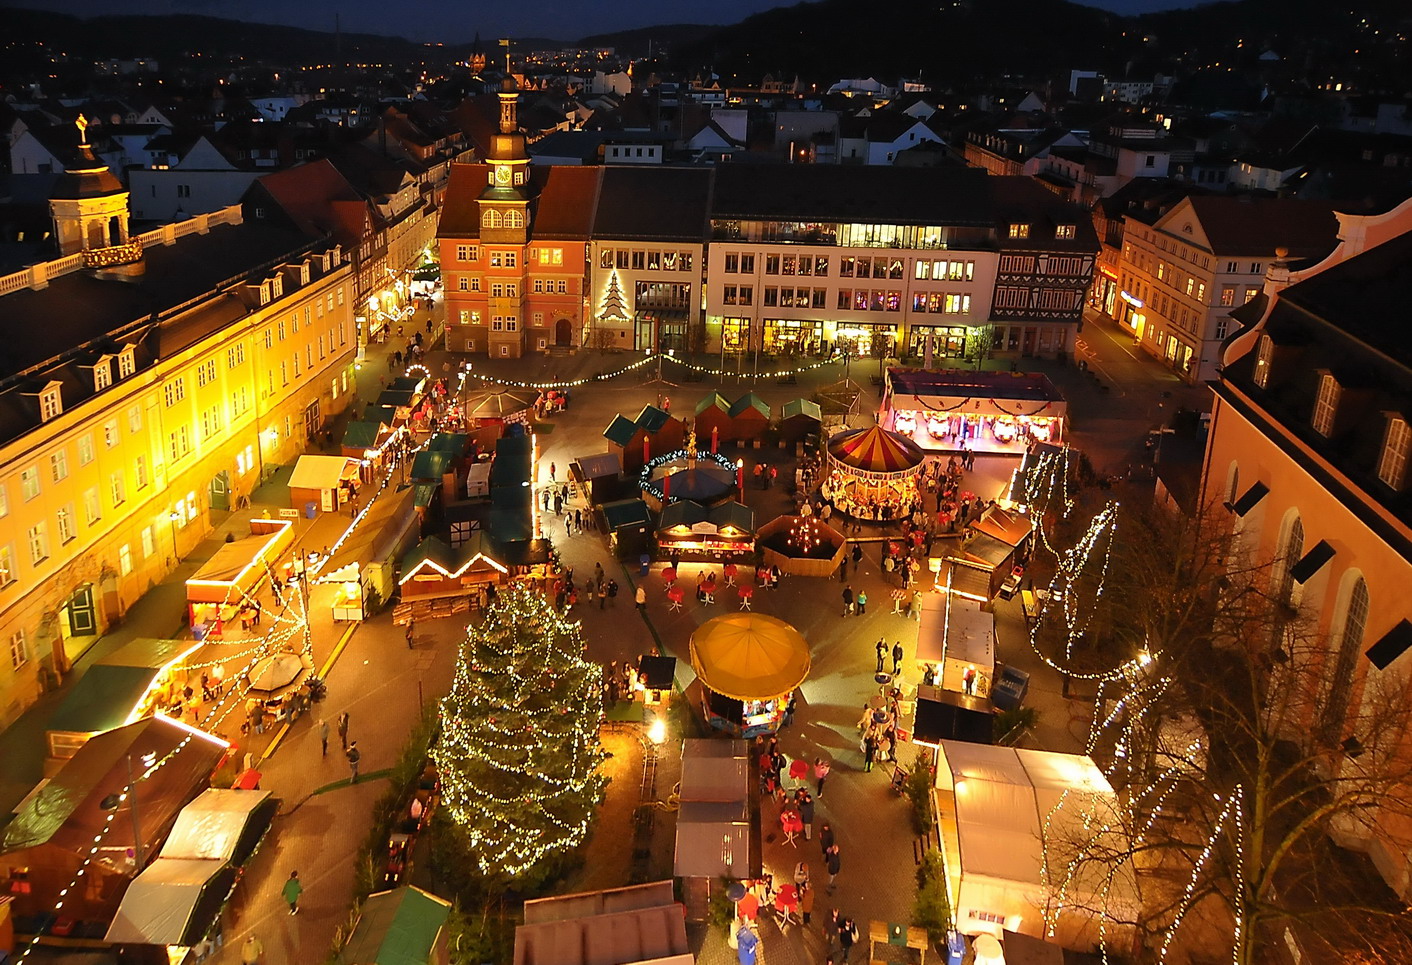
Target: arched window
[
  {"x": 1289, "y": 553},
  {"x": 1348, "y": 642},
  {"x": 1233, "y": 482},
  {"x": 514, "y": 218},
  {"x": 490, "y": 219}
]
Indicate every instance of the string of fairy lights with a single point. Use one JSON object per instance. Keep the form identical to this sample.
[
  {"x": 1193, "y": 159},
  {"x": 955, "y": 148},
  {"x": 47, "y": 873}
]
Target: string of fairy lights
[
  {"x": 519, "y": 757},
  {"x": 718, "y": 372}
]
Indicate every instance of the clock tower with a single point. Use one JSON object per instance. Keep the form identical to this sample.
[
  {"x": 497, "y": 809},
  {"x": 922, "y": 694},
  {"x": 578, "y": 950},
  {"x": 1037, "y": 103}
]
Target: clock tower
[{"x": 504, "y": 204}]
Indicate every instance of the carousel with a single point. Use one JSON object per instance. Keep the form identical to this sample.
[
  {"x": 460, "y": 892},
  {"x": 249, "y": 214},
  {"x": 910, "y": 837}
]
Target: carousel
[
  {"x": 873, "y": 474},
  {"x": 749, "y": 665}
]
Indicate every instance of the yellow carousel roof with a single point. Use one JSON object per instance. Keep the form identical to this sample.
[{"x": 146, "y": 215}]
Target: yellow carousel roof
[
  {"x": 875, "y": 450},
  {"x": 749, "y": 656}
]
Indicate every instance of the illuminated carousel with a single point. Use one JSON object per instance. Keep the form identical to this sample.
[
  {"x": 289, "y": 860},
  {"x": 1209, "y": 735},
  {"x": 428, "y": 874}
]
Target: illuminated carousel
[{"x": 873, "y": 474}]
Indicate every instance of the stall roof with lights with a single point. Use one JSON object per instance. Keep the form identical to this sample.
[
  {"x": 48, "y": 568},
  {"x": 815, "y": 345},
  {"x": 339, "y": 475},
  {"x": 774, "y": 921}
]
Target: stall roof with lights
[
  {"x": 109, "y": 692},
  {"x": 322, "y": 472}
]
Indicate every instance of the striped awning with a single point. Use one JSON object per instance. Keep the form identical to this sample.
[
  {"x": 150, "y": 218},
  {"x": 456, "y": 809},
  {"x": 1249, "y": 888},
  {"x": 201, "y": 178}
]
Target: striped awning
[{"x": 875, "y": 452}]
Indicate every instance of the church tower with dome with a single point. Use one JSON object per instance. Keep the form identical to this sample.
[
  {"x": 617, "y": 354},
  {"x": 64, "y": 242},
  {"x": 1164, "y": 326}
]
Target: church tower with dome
[{"x": 89, "y": 206}]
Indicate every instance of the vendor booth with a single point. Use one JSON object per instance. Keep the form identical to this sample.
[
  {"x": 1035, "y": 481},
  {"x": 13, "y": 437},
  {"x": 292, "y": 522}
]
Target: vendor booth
[
  {"x": 323, "y": 483},
  {"x": 52, "y": 835},
  {"x": 957, "y": 639},
  {"x": 952, "y": 409},
  {"x": 363, "y": 566},
  {"x": 749, "y": 665},
  {"x": 629, "y": 525},
  {"x": 978, "y": 566},
  {"x": 802, "y": 546},
  {"x": 651, "y": 433},
  {"x": 144, "y": 676},
  {"x": 599, "y": 477},
  {"x": 695, "y": 532},
  {"x": 1011, "y": 821},
  {"x": 434, "y": 571},
  {"x": 635, "y": 925},
  {"x": 177, "y": 899},
  {"x": 715, "y": 836},
  {"x": 403, "y": 925},
  {"x": 712, "y": 420},
  {"x": 799, "y": 419},
  {"x": 750, "y": 417},
  {"x": 873, "y": 474},
  {"x": 942, "y": 715},
  {"x": 230, "y": 577}
]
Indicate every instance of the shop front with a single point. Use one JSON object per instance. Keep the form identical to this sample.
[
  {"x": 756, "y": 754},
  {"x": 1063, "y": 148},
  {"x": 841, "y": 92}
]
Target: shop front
[
  {"x": 944, "y": 341},
  {"x": 859, "y": 338},
  {"x": 793, "y": 336},
  {"x": 951, "y": 409},
  {"x": 735, "y": 334}
]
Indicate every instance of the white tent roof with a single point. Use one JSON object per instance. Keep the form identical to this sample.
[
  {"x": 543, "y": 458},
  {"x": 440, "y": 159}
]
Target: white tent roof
[
  {"x": 1004, "y": 798},
  {"x": 961, "y": 632},
  {"x": 210, "y": 826},
  {"x": 158, "y": 904},
  {"x": 319, "y": 472}
]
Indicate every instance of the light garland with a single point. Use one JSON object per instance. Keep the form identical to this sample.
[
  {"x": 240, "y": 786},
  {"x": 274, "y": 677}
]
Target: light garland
[
  {"x": 653, "y": 488},
  {"x": 1073, "y": 565},
  {"x": 719, "y": 372},
  {"x": 519, "y": 756}
]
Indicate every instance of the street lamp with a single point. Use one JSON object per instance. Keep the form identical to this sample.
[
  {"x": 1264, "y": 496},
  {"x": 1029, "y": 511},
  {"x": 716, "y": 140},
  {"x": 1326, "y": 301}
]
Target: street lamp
[{"x": 173, "y": 517}]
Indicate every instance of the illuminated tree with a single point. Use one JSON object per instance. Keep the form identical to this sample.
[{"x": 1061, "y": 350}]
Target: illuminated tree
[{"x": 519, "y": 756}]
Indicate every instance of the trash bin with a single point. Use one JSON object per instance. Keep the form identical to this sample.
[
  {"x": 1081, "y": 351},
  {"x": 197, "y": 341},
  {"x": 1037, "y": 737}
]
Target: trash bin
[
  {"x": 311, "y": 509},
  {"x": 644, "y": 560}
]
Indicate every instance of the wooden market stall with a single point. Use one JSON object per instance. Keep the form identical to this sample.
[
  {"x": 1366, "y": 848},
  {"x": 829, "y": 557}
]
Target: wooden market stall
[
  {"x": 599, "y": 477},
  {"x": 144, "y": 676},
  {"x": 799, "y": 419},
  {"x": 404, "y": 924},
  {"x": 750, "y": 417},
  {"x": 216, "y": 592},
  {"x": 713, "y": 420},
  {"x": 323, "y": 483},
  {"x": 629, "y": 525},
  {"x": 52, "y": 835},
  {"x": 956, "y": 638},
  {"x": 749, "y": 665},
  {"x": 725, "y": 532},
  {"x": 440, "y": 580},
  {"x": 652, "y": 432},
  {"x": 362, "y": 567}
]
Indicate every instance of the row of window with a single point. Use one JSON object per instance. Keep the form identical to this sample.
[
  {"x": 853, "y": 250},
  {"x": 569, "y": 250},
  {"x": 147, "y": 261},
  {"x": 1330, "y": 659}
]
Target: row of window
[
  {"x": 637, "y": 259},
  {"x": 1039, "y": 299},
  {"x": 510, "y": 289}
]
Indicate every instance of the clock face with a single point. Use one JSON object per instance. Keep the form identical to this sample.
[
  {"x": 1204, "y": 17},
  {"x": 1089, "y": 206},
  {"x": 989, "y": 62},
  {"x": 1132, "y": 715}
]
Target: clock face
[{"x": 502, "y": 175}]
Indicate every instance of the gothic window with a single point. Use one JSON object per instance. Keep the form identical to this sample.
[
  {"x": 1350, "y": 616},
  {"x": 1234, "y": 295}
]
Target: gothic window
[
  {"x": 1326, "y": 404},
  {"x": 1349, "y": 643}
]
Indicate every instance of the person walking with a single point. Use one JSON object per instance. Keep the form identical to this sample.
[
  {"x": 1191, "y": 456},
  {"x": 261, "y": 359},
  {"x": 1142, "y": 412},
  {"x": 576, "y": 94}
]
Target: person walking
[
  {"x": 881, "y": 649},
  {"x": 578, "y": 520},
  {"x": 292, "y": 890},
  {"x": 847, "y": 935},
  {"x": 806, "y": 900},
  {"x": 897, "y": 658},
  {"x": 821, "y": 773},
  {"x": 825, "y": 839},
  {"x": 833, "y": 863},
  {"x": 870, "y": 752},
  {"x": 323, "y": 737},
  {"x": 862, "y": 602},
  {"x": 806, "y": 813},
  {"x": 552, "y": 469},
  {"x": 857, "y": 555},
  {"x": 847, "y": 598},
  {"x": 252, "y": 952},
  {"x": 354, "y": 756},
  {"x": 613, "y": 590},
  {"x": 343, "y": 729},
  {"x": 411, "y": 630},
  {"x": 641, "y": 597}
]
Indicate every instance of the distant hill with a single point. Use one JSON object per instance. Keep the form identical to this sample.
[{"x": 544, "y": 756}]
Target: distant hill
[{"x": 635, "y": 43}]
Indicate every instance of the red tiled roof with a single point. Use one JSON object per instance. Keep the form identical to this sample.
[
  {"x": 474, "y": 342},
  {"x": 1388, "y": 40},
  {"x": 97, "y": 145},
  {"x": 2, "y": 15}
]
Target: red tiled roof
[
  {"x": 1235, "y": 225},
  {"x": 566, "y": 203},
  {"x": 319, "y": 200}
]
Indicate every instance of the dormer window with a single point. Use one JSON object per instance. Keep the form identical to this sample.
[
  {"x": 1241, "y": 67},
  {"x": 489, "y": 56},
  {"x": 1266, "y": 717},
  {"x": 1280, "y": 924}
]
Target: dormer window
[
  {"x": 1066, "y": 232},
  {"x": 1264, "y": 354},
  {"x": 1326, "y": 404},
  {"x": 276, "y": 286},
  {"x": 264, "y": 292},
  {"x": 1392, "y": 463},
  {"x": 51, "y": 403},
  {"x": 103, "y": 373},
  {"x": 127, "y": 362},
  {"x": 1018, "y": 230}
]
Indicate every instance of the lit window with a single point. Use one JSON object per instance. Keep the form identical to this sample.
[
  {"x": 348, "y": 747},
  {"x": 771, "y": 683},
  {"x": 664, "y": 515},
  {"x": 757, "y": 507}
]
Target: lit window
[
  {"x": 29, "y": 482},
  {"x": 50, "y": 403},
  {"x": 19, "y": 650},
  {"x": 102, "y": 374},
  {"x": 1392, "y": 463},
  {"x": 59, "y": 465},
  {"x": 1019, "y": 231},
  {"x": 1264, "y": 354},
  {"x": 1326, "y": 404},
  {"x": 127, "y": 364},
  {"x": 85, "y": 450}
]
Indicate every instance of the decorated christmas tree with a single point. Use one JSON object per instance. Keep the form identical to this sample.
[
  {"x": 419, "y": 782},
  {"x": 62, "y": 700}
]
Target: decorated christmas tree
[
  {"x": 519, "y": 755},
  {"x": 613, "y": 306}
]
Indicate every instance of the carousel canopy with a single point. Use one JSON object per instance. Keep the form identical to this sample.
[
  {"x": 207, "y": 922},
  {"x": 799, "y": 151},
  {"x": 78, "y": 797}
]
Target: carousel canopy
[
  {"x": 875, "y": 451},
  {"x": 749, "y": 656}
]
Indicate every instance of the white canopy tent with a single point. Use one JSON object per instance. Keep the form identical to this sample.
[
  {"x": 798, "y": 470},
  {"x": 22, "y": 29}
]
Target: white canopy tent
[
  {"x": 177, "y": 897},
  {"x": 955, "y": 633},
  {"x": 1011, "y": 821}
]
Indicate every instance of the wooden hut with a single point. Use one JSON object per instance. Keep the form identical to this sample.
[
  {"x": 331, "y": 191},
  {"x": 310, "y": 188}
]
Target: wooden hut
[
  {"x": 800, "y": 418},
  {"x": 713, "y": 415},
  {"x": 750, "y": 417},
  {"x": 651, "y": 433}
]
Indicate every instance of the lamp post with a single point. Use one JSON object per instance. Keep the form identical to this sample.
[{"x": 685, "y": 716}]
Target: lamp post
[{"x": 172, "y": 518}]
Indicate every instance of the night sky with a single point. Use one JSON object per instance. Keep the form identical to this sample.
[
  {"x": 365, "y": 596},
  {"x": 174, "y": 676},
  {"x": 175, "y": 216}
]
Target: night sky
[{"x": 455, "y": 21}]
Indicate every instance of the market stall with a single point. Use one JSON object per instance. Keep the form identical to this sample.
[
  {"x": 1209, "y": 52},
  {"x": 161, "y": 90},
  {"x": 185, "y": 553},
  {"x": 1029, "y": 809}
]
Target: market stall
[
  {"x": 52, "y": 835},
  {"x": 599, "y": 477},
  {"x": 799, "y": 419},
  {"x": 873, "y": 474},
  {"x": 363, "y": 563},
  {"x": 976, "y": 566},
  {"x": 404, "y": 924},
  {"x": 725, "y": 532},
  {"x": 636, "y": 925},
  {"x": 323, "y": 483},
  {"x": 956, "y": 640},
  {"x": 749, "y": 665},
  {"x": 629, "y": 525},
  {"x": 144, "y": 676},
  {"x": 1010, "y": 822},
  {"x": 688, "y": 474},
  {"x": 951, "y": 409},
  {"x": 712, "y": 420},
  {"x": 802, "y": 546},
  {"x": 750, "y": 417},
  {"x": 230, "y": 577},
  {"x": 435, "y": 571},
  {"x": 176, "y": 899},
  {"x": 652, "y": 432},
  {"x": 714, "y": 834}
]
